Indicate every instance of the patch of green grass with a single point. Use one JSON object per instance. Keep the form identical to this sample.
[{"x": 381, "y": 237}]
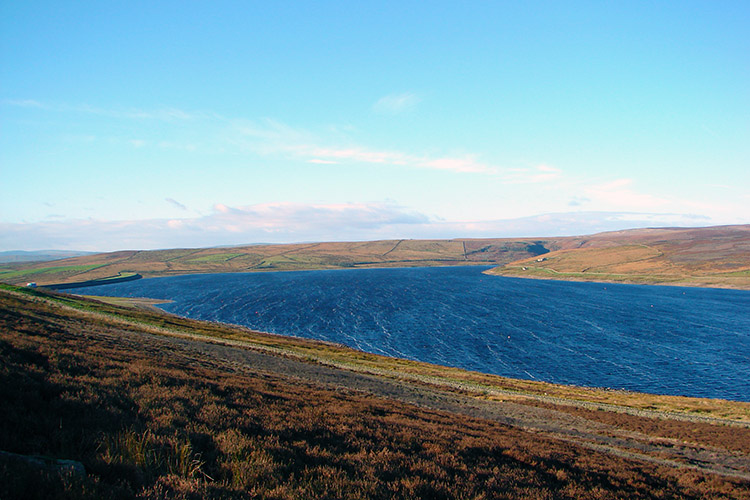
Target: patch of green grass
[
  {"x": 161, "y": 255},
  {"x": 284, "y": 262},
  {"x": 5, "y": 274},
  {"x": 742, "y": 274},
  {"x": 20, "y": 289}
]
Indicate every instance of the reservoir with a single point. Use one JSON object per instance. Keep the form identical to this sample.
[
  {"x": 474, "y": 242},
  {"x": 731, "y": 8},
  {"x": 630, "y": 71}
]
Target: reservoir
[{"x": 656, "y": 339}]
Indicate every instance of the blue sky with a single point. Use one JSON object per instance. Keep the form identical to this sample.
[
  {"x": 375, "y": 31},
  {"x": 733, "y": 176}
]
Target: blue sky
[{"x": 164, "y": 124}]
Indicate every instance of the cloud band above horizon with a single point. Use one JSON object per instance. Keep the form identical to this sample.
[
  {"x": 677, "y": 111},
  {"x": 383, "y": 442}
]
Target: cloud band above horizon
[{"x": 295, "y": 223}]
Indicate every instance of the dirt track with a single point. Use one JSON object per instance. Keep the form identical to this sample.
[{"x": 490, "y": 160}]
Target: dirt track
[{"x": 555, "y": 423}]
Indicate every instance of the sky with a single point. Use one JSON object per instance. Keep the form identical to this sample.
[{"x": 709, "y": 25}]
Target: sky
[{"x": 141, "y": 125}]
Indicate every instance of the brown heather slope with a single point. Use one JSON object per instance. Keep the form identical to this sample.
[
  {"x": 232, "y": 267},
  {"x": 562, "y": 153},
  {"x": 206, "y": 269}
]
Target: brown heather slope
[
  {"x": 156, "y": 406},
  {"x": 713, "y": 256}
]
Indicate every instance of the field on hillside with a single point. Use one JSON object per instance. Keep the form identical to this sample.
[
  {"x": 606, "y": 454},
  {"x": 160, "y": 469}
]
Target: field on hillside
[{"x": 152, "y": 407}]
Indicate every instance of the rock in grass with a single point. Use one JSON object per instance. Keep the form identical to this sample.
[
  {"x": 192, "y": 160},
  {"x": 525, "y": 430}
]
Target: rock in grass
[{"x": 47, "y": 464}]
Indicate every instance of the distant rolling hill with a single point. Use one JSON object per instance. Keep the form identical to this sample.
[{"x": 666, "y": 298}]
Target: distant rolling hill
[
  {"x": 38, "y": 256},
  {"x": 712, "y": 256}
]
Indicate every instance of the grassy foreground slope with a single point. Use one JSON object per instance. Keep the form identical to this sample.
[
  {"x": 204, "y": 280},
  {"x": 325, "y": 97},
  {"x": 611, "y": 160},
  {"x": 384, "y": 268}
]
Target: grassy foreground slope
[
  {"x": 337, "y": 255},
  {"x": 713, "y": 256},
  {"x": 157, "y": 406}
]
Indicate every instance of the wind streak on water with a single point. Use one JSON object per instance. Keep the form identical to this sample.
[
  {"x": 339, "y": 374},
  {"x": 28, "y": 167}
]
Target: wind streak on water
[{"x": 669, "y": 340}]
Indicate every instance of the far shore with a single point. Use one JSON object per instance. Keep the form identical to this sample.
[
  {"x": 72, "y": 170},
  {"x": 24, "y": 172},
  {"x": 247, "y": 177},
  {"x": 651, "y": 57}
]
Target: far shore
[
  {"x": 624, "y": 279},
  {"x": 500, "y": 271}
]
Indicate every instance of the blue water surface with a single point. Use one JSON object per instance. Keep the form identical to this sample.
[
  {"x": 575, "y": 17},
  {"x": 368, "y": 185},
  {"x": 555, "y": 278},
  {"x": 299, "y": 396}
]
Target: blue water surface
[{"x": 667, "y": 340}]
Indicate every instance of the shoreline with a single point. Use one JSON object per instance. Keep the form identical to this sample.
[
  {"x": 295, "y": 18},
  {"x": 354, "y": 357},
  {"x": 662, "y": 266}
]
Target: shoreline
[
  {"x": 492, "y": 270},
  {"x": 132, "y": 302},
  {"x": 541, "y": 388}
]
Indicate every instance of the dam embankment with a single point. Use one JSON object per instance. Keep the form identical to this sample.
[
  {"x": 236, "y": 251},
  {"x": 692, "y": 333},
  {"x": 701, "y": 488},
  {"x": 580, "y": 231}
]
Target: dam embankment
[{"x": 104, "y": 281}]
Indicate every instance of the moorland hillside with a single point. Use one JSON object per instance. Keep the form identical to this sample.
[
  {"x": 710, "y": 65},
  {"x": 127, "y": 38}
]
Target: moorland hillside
[
  {"x": 713, "y": 256},
  {"x": 150, "y": 405}
]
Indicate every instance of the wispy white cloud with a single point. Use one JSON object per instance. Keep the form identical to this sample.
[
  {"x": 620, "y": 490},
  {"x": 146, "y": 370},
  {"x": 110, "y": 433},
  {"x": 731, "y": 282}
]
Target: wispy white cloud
[
  {"x": 270, "y": 222},
  {"x": 577, "y": 201},
  {"x": 360, "y": 155},
  {"x": 163, "y": 114},
  {"x": 621, "y": 194},
  {"x": 268, "y": 130},
  {"x": 465, "y": 164},
  {"x": 462, "y": 164},
  {"x": 396, "y": 103},
  {"x": 535, "y": 175},
  {"x": 546, "y": 173},
  {"x": 271, "y": 137},
  {"x": 561, "y": 224},
  {"x": 322, "y": 162},
  {"x": 263, "y": 137},
  {"x": 175, "y": 203},
  {"x": 322, "y": 218},
  {"x": 23, "y": 103}
]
